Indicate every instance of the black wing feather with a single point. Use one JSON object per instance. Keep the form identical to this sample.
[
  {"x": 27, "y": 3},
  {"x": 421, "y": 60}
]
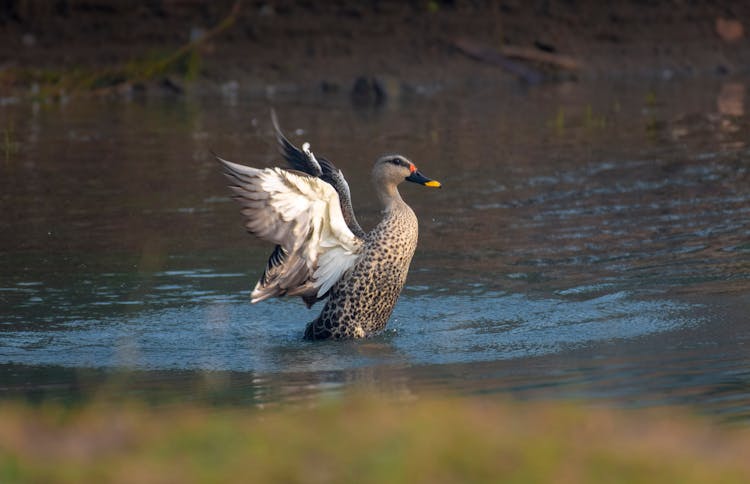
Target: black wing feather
[
  {"x": 320, "y": 168},
  {"x": 296, "y": 158}
]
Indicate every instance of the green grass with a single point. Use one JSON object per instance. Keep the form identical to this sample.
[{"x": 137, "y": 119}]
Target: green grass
[
  {"x": 184, "y": 63},
  {"x": 10, "y": 145},
  {"x": 366, "y": 438},
  {"x": 50, "y": 84}
]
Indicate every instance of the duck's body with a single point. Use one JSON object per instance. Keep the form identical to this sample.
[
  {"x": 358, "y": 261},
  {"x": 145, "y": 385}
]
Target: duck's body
[
  {"x": 322, "y": 252},
  {"x": 361, "y": 302}
]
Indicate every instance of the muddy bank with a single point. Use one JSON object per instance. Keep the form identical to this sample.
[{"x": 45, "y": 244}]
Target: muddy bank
[{"x": 328, "y": 45}]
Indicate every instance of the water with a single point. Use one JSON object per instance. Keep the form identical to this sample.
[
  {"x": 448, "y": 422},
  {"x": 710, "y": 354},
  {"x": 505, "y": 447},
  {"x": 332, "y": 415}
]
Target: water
[{"x": 591, "y": 242}]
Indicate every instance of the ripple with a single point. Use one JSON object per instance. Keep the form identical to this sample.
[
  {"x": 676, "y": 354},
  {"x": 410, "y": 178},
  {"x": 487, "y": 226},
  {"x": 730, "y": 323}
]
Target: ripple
[{"x": 223, "y": 335}]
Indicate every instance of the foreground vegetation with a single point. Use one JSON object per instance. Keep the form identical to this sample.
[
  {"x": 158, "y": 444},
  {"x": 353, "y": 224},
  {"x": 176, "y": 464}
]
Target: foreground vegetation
[{"x": 361, "y": 438}]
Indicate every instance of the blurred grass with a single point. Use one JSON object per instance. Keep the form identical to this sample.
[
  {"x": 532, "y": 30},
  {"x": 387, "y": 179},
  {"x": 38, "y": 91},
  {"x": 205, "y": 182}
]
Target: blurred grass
[
  {"x": 51, "y": 84},
  {"x": 183, "y": 63},
  {"x": 46, "y": 84},
  {"x": 9, "y": 144},
  {"x": 366, "y": 438}
]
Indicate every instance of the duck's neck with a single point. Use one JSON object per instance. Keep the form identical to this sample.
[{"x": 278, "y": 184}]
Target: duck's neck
[{"x": 389, "y": 197}]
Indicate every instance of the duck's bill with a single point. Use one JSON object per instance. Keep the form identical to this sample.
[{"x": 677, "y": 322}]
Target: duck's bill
[{"x": 418, "y": 177}]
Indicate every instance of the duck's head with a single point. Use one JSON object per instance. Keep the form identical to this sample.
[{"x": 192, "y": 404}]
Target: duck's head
[{"x": 393, "y": 169}]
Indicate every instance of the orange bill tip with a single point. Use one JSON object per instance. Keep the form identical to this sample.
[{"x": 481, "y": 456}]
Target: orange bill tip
[{"x": 433, "y": 183}]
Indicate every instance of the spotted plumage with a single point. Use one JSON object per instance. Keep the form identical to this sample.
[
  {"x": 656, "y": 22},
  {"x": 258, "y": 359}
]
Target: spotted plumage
[
  {"x": 362, "y": 301},
  {"x": 321, "y": 251}
]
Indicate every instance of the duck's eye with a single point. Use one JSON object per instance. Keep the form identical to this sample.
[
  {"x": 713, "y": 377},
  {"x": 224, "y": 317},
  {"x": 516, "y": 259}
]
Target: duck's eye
[{"x": 397, "y": 161}]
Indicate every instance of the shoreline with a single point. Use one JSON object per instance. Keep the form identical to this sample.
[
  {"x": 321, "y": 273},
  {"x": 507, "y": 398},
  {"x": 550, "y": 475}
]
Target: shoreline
[{"x": 101, "y": 47}]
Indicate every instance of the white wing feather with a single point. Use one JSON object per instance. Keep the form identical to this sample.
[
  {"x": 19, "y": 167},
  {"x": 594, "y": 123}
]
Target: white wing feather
[{"x": 303, "y": 215}]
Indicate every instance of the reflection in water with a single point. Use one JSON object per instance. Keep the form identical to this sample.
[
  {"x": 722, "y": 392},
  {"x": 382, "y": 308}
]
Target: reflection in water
[
  {"x": 721, "y": 127},
  {"x": 591, "y": 241},
  {"x": 731, "y": 99}
]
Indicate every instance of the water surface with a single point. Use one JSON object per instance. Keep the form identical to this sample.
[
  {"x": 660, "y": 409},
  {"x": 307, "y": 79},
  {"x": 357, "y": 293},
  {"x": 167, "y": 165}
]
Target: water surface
[{"x": 591, "y": 241}]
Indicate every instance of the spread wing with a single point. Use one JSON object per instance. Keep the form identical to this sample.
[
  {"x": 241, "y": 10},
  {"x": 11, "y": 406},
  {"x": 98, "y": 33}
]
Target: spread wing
[
  {"x": 305, "y": 161},
  {"x": 302, "y": 215}
]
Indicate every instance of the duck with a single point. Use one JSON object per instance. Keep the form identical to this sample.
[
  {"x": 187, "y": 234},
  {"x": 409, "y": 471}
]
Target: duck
[{"x": 321, "y": 252}]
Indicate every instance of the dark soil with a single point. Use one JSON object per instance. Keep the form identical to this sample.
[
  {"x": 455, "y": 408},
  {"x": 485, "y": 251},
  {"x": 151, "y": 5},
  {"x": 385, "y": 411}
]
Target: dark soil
[{"x": 328, "y": 45}]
